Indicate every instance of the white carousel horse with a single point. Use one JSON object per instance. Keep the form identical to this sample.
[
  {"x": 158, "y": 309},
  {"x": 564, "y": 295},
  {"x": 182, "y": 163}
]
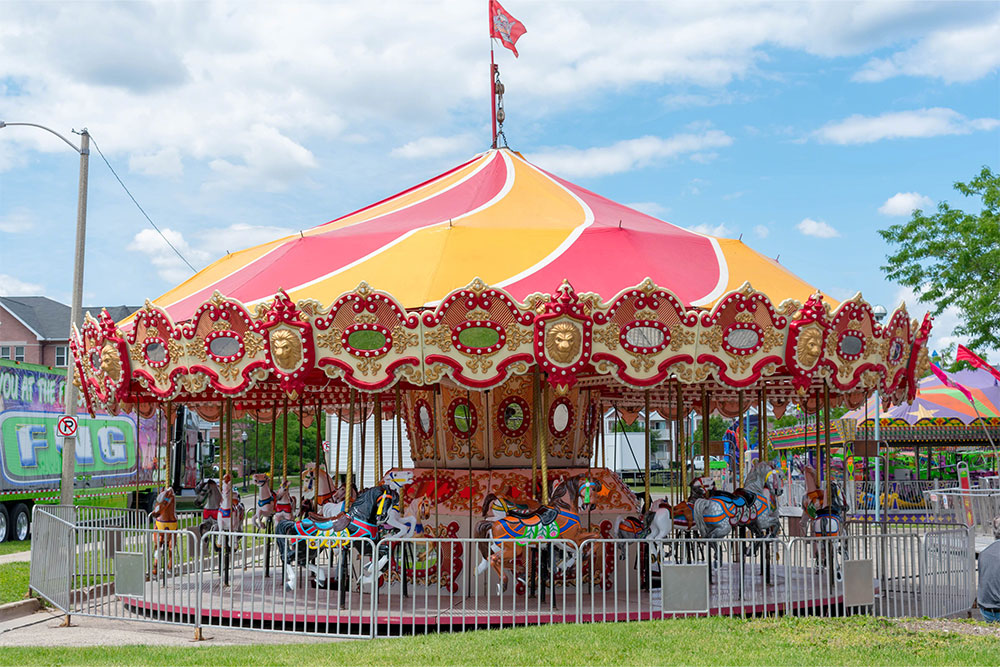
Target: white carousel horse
[
  {"x": 265, "y": 503},
  {"x": 327, "y": 502},
  {"x": 284, "y": 503},
  {"x": 231, "y": 510}
]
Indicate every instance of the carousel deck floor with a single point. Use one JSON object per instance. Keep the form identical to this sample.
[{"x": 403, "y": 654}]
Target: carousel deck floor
[{"x": 252, "y": 599}]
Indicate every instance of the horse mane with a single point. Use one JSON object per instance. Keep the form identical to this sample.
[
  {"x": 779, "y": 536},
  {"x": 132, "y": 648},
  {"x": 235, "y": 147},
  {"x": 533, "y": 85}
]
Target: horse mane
[
  {"x": 487, "y": 501},
  {"x": 810, "y": 474}
]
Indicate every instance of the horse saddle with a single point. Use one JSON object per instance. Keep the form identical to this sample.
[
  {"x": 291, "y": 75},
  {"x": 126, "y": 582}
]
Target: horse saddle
[
  {"x": 738, "y": 497},
  {"x": 336, "y": 523},
  {"x": 543, "y": 515}
]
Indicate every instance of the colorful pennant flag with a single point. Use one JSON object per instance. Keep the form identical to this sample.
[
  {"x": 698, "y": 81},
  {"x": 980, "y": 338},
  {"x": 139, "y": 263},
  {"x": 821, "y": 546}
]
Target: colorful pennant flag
[
  {"x": 505, "y": 27},
  {"x": 965, "y": 354},
  {"x": 948, "y": 382}
]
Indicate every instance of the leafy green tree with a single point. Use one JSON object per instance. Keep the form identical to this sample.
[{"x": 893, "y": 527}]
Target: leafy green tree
[
  {"x": 716, "y": 429},
  {"x": 952, "y": 258}
]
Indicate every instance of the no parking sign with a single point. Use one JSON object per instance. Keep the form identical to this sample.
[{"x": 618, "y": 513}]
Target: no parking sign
[{"x": 66, "y": 426}]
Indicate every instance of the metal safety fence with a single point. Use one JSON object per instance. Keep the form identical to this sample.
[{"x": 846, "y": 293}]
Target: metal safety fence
[{"x": 102, "y": 564}]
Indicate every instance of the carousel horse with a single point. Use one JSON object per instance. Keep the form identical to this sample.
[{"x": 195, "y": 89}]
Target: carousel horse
[
  {"x": 265, "y": 503},
  {"x": 682, "y": 514},
  {"x": 413, "y": 519},
  {"x": 558, "y": 521},
  {"x": 165, "y": 517},
  {"x": 823, "y": 518},
  {"x": 754, "y": 506},
  {"x": 208, "y": 497},
  {"x": 284, "y": 503},
  {"x": 654, "y": 524},
  {"x": 325, "y": 490},
  {"x": 231, "y": 509},
  {"x": 502, "y": 505},
  {"x": 363, "y": 518}
]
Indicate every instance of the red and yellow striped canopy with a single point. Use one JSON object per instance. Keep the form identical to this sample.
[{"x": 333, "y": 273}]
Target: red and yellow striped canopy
[{"x": 497, "y": 217}]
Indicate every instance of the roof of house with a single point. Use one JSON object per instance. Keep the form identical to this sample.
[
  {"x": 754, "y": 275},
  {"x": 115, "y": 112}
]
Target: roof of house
[{"x": 48, "y": 319}]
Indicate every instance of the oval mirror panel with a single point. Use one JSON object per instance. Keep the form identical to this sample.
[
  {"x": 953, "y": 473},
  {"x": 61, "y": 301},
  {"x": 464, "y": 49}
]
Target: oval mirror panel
[
  {"x": 851, "y": 344},
  {"x": 156, "y": 352},
  {"x": 742, "y": 339},
  {"x": 461, "y": 418},
  {"x": 560, "y": 418},
  {"x": 644, "y": 337},
  {"x": 366, "y": 340},
  {"x": 224, "y": 346},
  {"x": 513, "y": 416},
  {"x": 479, "y": 337},
  {"x": 424, "y": 415}
]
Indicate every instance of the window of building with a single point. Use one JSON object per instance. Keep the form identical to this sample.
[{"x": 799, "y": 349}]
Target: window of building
[
  {"x": 62, "y": 355},
  {"x": 12, "y": 352}
]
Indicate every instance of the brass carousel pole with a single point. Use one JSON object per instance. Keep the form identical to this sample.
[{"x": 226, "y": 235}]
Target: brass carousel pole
[
  {"x": 378, "y": 437},
  {"x": 301, "y": 446},
  {"x": 274, "y": 433},
  {"x": 536, "y": 408},
  {"x": 468, "y": 441},
  {"x": 399, "y": 430},
  {"x": 649, "y": 448},
  {"x": 819, "y": 458},
  {"x": 319, "y": 448},
  {"x": 350, "y": 449},
  {"x": 166, "y": 471},
  {"x": 738, "y": 458},
  {"x": 762, "y": 446},
  {"x": 543, "y": 446},
  {"x": 363, "y": 416},
  {"x": 706, "y": 465},
  {"x": 336, "y": 460},
  {"x": 604, "y": 438},
  {"x": 682, "y": 441},
  {"x": 826, "y": 419},
  {"x": 284, "y": 442},
  {"x": 434, "y": 440}
]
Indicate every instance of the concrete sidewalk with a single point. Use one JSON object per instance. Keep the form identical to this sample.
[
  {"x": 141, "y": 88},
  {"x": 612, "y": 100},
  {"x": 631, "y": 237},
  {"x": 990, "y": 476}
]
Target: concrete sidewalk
[
  {"x": 17, "y": 557},
  {"x": 43, "y": 629}
]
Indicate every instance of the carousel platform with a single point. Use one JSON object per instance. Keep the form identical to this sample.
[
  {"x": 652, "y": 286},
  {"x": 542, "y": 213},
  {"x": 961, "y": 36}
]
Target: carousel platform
[{"x": 253, "y": 600}]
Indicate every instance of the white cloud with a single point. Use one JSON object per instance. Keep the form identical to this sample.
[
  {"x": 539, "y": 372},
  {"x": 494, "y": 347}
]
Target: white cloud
[
  {"x": 17, "y": 221},
  {"x": 734, "y": 195},
  {"x": 720, "y": 229},
  {"x": 817, "y": 228},
  {"x": 11, "y": 286},
  {"x": 627, "y": 155},
  {"x": 920, "y": 123},
  {"x": 965, "y": 54},
  {"x": 430, "y": 147},
  {"x": 762, "y": 231},
  {"x": 164, "y": 162},
  {"x": 649, "y": 208},
  {"x": 211, "y": 244},
  {"x": 905, "y": 203}
]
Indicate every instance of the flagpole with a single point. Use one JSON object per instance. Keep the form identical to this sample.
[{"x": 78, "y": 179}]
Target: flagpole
[{"x": 493, "y": 68}]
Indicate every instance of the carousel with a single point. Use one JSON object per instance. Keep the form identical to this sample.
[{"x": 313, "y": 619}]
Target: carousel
[{"x": 494, "y": 313}]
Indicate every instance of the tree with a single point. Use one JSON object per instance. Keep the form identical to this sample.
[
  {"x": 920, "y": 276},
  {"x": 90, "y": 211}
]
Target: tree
[
  {"x": 716, "y": 430},
  {"x": 952, "y": 258}
]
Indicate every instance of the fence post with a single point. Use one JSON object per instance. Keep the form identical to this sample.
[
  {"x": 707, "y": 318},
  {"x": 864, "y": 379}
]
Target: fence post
[{"x": 199, "y": 578}]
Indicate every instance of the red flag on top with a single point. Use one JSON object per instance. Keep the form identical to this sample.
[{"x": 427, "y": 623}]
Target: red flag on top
[
  {"x": 505, "y": 27},
  {"x": 965, "y": 354},
  {"x": 948, "y": 382}
]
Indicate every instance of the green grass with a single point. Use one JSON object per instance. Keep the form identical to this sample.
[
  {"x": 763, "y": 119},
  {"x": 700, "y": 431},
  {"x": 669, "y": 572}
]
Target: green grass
[
  {"x": 14, "y": 547},
  {"x": 706, "y": 641},
  {"x": 13, "y": 581}
]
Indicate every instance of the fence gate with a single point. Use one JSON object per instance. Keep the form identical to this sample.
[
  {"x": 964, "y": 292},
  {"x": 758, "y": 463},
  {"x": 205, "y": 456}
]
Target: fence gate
[
  {"x": 948, "y": 583},
  {"x": 51, "y": 566}
]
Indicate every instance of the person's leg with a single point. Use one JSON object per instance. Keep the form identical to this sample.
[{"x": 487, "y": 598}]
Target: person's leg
[{"x": 990, "y": 616}]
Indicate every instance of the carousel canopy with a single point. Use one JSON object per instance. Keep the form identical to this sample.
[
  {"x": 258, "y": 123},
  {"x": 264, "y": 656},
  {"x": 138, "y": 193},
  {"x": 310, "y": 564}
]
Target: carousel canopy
[
  {"x": 499, "y": 218},
  {"x": 479, "y": 278}
]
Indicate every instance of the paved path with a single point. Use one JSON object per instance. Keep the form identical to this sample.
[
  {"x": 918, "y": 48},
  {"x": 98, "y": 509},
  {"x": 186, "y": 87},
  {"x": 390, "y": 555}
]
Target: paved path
[
  {"x": 17, "y": 557},
  {"x": 42, "y": 629}
]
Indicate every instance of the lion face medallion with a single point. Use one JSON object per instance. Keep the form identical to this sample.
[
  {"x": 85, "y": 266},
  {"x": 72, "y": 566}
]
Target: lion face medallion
[
  {"x": 563, "y": 342},
  {"x": 286, "y": 349},
  {"x": 809, "y": 346},
  {"x": 110, "y": 364}
]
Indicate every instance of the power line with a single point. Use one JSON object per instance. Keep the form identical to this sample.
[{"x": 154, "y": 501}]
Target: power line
[{"x": 162, "y": 236}]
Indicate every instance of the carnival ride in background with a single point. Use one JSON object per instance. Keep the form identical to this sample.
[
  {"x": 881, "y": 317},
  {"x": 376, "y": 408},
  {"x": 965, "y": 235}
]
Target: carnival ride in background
[{"x": 455, "y": 311}]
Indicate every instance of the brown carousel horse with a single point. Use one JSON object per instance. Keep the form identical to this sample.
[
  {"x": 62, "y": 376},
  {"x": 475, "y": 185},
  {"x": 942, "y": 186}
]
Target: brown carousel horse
[
  {"x": 165, "y": 517},
  {"x": 558, "y": 521},
  {"x": 683, "y": 512}
]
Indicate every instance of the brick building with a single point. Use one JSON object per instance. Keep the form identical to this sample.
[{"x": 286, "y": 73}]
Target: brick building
[{"x": 35, "y": 329}]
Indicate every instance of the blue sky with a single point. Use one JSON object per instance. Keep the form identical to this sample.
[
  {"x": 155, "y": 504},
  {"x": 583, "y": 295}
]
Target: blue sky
[{"x": 805, "y": 127}]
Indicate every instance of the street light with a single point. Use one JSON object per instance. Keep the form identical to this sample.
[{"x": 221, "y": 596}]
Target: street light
[{"x": 69, "y": 444}]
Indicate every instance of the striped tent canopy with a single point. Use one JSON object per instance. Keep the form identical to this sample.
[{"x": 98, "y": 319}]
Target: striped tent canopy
[
  {"x": 936, "y": 403},
  {"x": 499, "y": 218}
]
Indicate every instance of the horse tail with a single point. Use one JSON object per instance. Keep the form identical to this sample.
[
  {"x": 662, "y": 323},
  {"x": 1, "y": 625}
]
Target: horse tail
[
  {"x": 481, "y": 532},
  {"x": 698, "y": 510}
]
